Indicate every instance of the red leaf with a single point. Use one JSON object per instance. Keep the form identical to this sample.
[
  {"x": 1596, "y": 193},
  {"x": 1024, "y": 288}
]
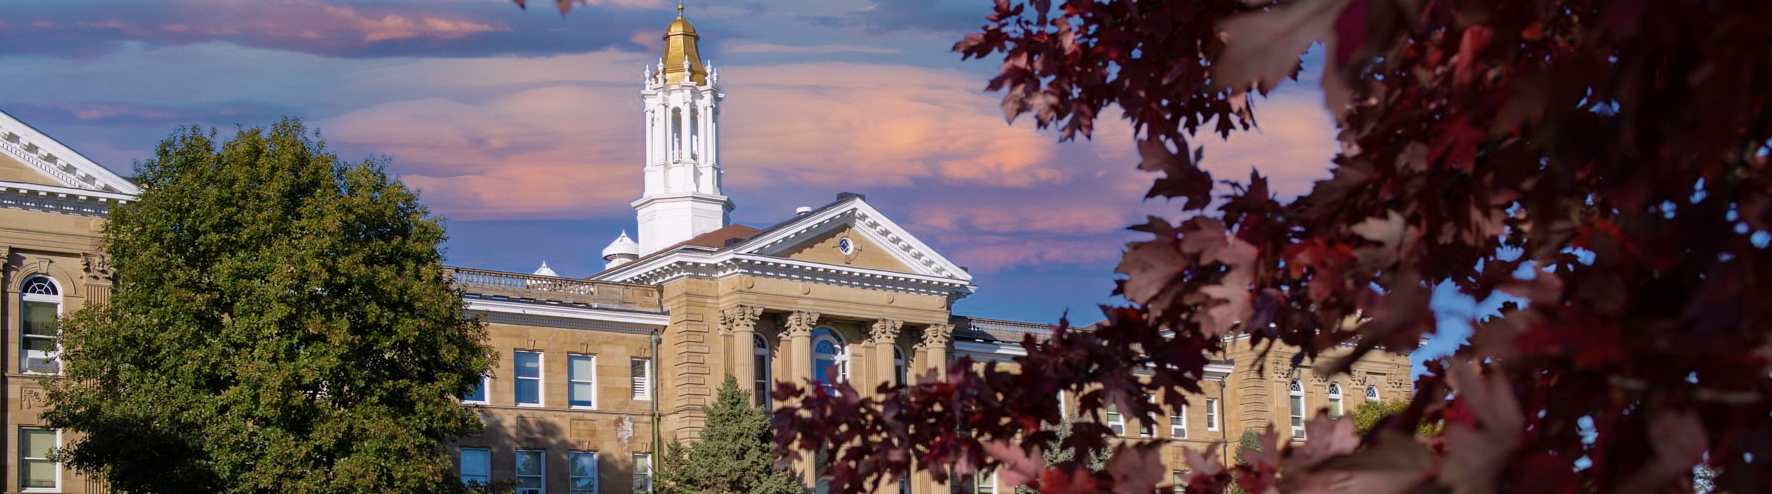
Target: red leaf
[{"x": 1264, "y": 47}]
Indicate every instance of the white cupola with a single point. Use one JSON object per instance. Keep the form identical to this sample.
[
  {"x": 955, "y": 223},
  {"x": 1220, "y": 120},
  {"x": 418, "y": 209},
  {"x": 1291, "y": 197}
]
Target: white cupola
[
  {"x": 544, "y": 270},
  {"x": 682, "y": 96},
  {"x": 622, "y": 251}
]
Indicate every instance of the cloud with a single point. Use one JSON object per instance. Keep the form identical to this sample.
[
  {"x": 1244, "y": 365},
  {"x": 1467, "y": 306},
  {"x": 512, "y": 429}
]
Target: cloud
[
  {"x": 897, "y": 16},
  {"x": 773, "y": 48}
]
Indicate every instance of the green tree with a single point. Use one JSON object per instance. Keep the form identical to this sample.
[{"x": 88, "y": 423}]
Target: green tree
[
  {"x": 1056, "y": 452},
  {"x": 733, "y": 455},
  {"x": 280, "y": 323},
  {"x": 1369, "y": 413}
]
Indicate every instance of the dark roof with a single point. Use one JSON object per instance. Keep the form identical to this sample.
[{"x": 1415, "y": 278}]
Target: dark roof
[{"x": 734, "y": 234}]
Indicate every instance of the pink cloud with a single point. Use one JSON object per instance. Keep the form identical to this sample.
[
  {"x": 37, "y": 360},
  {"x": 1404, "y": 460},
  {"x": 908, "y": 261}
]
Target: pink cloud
[{"x": 305, "y": 20}]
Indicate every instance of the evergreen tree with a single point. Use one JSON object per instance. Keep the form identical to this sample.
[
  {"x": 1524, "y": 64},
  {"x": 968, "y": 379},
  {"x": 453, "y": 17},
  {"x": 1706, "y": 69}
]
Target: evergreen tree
[
  {"x": 733, "y": 455},
  {"x": 280, "y": 323},
  {"x": 1056, "y": 452}
]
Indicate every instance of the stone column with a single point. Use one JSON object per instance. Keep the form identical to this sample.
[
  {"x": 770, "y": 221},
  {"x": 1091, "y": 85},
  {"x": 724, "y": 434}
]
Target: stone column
[
  {"x": 741, "y": 322},
  {"x": 884, "y": 333},
  {"x": 935, "y": 357},
  {"x": 799, "y": 335}
]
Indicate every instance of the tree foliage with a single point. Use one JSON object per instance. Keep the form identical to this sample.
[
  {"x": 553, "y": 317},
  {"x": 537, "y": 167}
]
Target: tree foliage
[
  {"x": 734, "y": 454},
  {"x": 1605, "y": 161},
  {"x": 1055, "y": 453},
  {"x": 280, "y": 323}
]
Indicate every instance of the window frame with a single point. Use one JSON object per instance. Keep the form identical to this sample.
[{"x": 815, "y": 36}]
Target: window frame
[
  {"x": 1295, "y": 395},
  {"x": 1115, "y": 421},
  {"x": 840, "y": 359},
  {"x": 638, "y": 475},
  {"x": 988, "y": 486},
  {"x": 1212, "y": 414},
  {"x": 589, "y": 359},
  {"x": 1371, "y": 393},
  {"x": 541, "y": 365},
  {"x": 1178, "y": 423},
  {"x": 56, "y": 299},
  {"x": 571, "y": 468},
  {"x": 461, "y": 463},
  {"x": 485, "y": 392},
  {"x": 24, "y": 462},
  {"x": 541, "y": 476},
  {"x": 762, "y": 376},
  {"x": 642, "y": 392},
  {"x": 1335, "y": 406},
  {"x": 901, "y": 365}
]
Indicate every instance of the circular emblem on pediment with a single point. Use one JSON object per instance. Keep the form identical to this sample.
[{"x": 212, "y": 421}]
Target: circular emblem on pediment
[{"x": 846, "y": 246}]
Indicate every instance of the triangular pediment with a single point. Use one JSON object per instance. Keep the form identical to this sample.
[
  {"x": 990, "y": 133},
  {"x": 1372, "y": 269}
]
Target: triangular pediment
[
  {"x": 877, "y": 242},
  {"x": 28, "y": 155}
]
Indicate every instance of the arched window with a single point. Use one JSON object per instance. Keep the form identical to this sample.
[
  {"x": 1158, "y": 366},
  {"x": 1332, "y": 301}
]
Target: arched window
[
  {"x": 1372, "y": 393},
  {"x": 1335, "y": 399},
  {"x": 899, "y": 366},
  {"x": 676, "y": 132},
  {"x": 760, "y": 370},
  {"x": 830, "y": 360},
  {"x": 1297, "y": 398},
  {"x": 40, "y": 305},
  {"x": 694, "y": 145}
]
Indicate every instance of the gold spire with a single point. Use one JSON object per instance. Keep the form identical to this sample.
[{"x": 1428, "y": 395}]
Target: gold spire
[{"x": 680, "y": 41}]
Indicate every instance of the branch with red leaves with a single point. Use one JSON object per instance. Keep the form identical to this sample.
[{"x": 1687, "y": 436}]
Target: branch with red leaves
[{"x": 1606, "y": 162}]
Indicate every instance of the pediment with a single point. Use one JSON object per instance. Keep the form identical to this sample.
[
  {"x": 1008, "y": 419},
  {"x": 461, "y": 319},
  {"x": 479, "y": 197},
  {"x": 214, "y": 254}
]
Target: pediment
[
  {"x": 878, "y": 242},
  {"x": 28, "y": 155}
]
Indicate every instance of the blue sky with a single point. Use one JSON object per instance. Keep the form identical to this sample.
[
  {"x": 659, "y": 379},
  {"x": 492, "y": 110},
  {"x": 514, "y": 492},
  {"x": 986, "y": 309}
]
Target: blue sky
[{"x": 522, "y": 126}]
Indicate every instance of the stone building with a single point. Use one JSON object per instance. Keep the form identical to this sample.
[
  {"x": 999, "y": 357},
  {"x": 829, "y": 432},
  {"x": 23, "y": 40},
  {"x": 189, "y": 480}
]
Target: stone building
[{"x": 595, "y": 372}]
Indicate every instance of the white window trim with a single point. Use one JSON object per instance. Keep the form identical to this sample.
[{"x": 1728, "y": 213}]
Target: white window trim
[
  {"x": 1212, "y": 414},
  {"x": 1115, "y": 420},
  {"x": 541, "y": 373},
  {"x": 1335, "y": 404},
  {"x": 841, "y": 359},
  {"x": 901, "y": 365},
  {"x": 485, "y": 392},
  {"x": 593, "y": 382},
  {"x": 461, "y": 463},
  {"x": 544, "y": 470},
  {"x": 1295, "y": 390},
  {"x": 596, "y": 470},
  {"x": 58, "y": 465},
  {"x": 650, "y": 468},
  {"x": 1179, "y": 431},
  {"x": 645, "y": 381},
  {"x": 1371, "y": 393},
  {"x": 57, "y": 299},
  {"x": 760, "y": 348}
]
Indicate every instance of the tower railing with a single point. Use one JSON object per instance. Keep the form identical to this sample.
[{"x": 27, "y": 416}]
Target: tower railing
[{"x": 488, "y": 284}]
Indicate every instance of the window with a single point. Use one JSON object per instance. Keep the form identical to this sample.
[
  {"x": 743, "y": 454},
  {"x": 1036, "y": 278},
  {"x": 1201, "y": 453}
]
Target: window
[
  {"x": 1146, "y": 427},
  {"x": 985, "y": 483},
  {"x": 532, "y": 471},
  {"x": 1334, "y": 399},
  {"x": 830, "y": 364},
  {"x": 1062, "y": 411},
  {"x": 584, "y": 472},
  {"x": 1180, "y": 481},
  {"x": 904, "y": 485},
  {"x": 1178, "y": 423},
  {"x": 1297, "y": 399},
  {"x": 642, "y": 472},
  {"x": 476, "y": 466},
  {"x": 1372, "y": 393},
  {"x": 640, "y": 376},
  {"x": 581, "y": 381},
  {"x": 36, "y": 472},
  {"x": 477, "y": 395},
  {"x": 528, "y": 388},
  {"x": 1114, "y": 422},
  {"x": 898, "y": 365},
  {"x": 1212, "y": 414},
  {"x": 40, "y": 306},
  {"x": 760, "y": 367}
]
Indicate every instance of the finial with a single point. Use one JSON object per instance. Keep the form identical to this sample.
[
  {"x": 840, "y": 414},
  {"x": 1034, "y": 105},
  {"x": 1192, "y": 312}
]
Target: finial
[{"x": 679, "y": 8}]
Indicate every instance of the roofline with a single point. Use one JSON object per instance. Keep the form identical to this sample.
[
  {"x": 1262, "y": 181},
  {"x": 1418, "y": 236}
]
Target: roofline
[{"x": 101, "y": 176}]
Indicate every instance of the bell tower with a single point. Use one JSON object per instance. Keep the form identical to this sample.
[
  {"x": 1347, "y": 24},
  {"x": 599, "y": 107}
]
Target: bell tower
[{"x": 682, "y": 96}]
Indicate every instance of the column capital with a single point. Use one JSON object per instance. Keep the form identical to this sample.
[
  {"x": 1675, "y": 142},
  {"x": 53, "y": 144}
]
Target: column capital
[
  {"x": 937, "y": 336},
  {"x": 885, "y": 330},
  {"x": 801, "y": 322},
  {"x": 741, "y": 318}
]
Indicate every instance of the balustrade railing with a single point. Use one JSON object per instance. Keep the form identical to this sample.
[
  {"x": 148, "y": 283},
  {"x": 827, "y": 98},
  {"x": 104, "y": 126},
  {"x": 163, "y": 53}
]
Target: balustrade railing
[{"x": 486, "y": 283}]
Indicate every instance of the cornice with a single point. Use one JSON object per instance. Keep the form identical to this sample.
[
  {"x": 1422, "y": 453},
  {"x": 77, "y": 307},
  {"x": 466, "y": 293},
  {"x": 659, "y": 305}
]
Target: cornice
[
  {"x": 683, "y": 264},
  {"x": 58, "y": 199},
  {"x": 55, "y": 160}
]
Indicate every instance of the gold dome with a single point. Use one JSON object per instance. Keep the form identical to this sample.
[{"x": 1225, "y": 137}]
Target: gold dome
[{"x": 680, "y": 41}]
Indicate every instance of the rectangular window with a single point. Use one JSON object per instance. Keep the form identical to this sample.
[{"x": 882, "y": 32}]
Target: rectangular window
[
  {"x": 1180, "y": 481},
  {"x": 1212, "y": 414},
  {"x": 478, "y": 394},
  {"x": 760, "y": 377},
  {"x": 532, "y": 471},
  {"x": 476, "y": 466},
  {"x": 1114, "y": 422},
  {"x": 641, "y": 371},
  {"x": 1147, "y": 428},
  {"x": 584, "y": 472},
  {"x": 1178, "y": 423},
  {"x": 528, "y": 388},
  {"x": 642, "y": 472},
  {"x": 581, "y": 381},
  {"x": 38, "y": 337},
  {"x": 36, "y": 472},
  {"x": 1335, "y": 405},
  {"x": 1298, "y": 417},
  {"x": 986, "y": 483}
]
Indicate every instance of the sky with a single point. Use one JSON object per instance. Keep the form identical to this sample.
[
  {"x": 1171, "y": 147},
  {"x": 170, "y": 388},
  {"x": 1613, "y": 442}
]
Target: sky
[{"x": 522, "y": 127}]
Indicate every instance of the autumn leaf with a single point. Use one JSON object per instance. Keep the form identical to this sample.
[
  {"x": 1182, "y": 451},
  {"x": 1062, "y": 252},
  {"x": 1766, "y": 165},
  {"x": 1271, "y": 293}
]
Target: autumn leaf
[
  {"x": 1264, "y": 47},
  {"x": 1136, "y": 469}
]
